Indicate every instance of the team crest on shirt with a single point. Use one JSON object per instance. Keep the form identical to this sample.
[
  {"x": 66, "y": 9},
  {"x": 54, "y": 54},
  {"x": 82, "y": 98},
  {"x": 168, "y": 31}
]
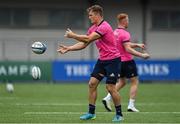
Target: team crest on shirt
[
  {"x": 116, "y": 33},
  {"x": 112, "y": 75}
]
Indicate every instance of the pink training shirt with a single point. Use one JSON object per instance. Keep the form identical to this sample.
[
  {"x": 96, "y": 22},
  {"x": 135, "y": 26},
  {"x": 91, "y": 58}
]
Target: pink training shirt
[
  {"x": 106, "y": 45},
  {"x": 122, "y": 36}
]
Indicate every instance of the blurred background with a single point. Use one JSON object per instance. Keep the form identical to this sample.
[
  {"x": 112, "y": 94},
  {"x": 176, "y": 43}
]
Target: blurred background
[{"x": 22, "y": 22}]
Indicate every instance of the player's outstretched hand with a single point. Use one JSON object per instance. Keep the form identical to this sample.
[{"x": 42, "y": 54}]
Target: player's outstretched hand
[
  {"x": 63, "y": 49},
  {"x": 145, "y": 55},
  {"x": 69, "y": 33}
]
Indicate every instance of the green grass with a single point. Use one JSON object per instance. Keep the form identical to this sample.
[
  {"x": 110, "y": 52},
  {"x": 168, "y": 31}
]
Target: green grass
[{"x": 64, "y": 103}]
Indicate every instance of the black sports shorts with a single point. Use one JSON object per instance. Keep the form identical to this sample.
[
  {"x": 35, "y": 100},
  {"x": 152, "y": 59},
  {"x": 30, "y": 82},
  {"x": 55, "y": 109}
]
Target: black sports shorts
[
  {"x": 109, "y": 68},
  {"x": 128, "y": 69}
]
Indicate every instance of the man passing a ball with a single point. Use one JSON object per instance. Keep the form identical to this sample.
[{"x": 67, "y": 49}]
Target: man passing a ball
[{"x": 107, "y": 63}]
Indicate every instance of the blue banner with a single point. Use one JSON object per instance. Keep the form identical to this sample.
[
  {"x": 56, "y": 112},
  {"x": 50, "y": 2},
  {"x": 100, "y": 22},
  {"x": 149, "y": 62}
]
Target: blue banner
[
  {"x": 147, "y": 70},
  {"x": 158, "y": 69},
  {"x": 72, "y": 70}
]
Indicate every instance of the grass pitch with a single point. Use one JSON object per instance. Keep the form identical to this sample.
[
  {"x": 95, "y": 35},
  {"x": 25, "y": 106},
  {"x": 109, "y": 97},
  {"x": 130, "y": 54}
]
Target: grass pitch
[{"x": 64, "y": 103}]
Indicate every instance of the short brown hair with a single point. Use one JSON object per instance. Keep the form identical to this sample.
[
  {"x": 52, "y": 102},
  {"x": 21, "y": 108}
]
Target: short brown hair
[
  {"x": 96, "y": 9},
  {"x": 121, "y": 16}
]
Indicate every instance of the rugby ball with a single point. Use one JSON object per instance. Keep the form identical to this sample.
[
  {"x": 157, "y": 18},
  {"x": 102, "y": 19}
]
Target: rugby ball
[
  {"x": 38, "y": 47},
  {"x": 9, "y": 87},
  {"x": 36, "y": 73}
]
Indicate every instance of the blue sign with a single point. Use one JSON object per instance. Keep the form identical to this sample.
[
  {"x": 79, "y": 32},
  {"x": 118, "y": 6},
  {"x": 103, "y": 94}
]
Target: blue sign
[
  {"x": 147, "y": 70},
  {"x": 158, "y": 69},
  {"x": 72, "y": 70}
]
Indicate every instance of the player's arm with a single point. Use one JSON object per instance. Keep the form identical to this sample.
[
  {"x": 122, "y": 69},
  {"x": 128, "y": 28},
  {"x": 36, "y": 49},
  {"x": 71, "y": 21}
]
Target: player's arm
[
  {"x": 82, "y": 38},
  {"x": 128, "y": 47},
  {"x": 78, "y": 46},
  {"x": 137, "y": 45}
]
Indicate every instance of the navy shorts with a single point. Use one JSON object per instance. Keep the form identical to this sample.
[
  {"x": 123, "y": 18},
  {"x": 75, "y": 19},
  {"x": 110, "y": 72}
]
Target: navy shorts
[
  {"x": 128, "y": 69},
  {"x": 108, "y": 68}
]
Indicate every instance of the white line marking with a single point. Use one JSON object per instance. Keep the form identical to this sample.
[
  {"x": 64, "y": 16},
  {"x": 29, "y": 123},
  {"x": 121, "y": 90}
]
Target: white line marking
[
  {"x": 87, "y": 123},
  {"x": 80, "y": 104},
  {"x": 50, "y": 104},
  {"x": 8, "y": 98},
  {"x": 156, "y": 104},
  {"x": 77, "y": 113}
]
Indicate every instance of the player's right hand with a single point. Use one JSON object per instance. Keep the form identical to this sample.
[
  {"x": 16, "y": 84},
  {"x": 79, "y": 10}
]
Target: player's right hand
[
  {"x": 141, "y": 45},
  {"x": 69, "y": 33},
  {"x": 145, "y": 55},
  {"x": 63, "y": 49}
]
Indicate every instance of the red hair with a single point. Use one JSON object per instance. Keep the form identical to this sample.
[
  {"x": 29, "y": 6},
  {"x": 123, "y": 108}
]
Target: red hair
[{"x": 121, "y": 16}]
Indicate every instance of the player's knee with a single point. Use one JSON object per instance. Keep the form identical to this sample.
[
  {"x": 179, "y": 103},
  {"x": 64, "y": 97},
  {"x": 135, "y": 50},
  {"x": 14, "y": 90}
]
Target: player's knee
[
  {"x": 123, "y": 83},
  {"x": 134, "y": 81},
  {"x": 92, "y": 84},
  {"x": 110, "y": 88}
]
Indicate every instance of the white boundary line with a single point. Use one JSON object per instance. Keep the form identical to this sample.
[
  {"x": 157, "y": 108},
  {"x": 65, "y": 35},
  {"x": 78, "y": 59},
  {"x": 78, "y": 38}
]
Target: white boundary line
[
  {"x": 80, "y": 104},
  {"x": 89, "y": 123},
  {"x": 8, "y": 98},
  {"x": 77, "y": 113},
  {"x": 50, "y": 104}
]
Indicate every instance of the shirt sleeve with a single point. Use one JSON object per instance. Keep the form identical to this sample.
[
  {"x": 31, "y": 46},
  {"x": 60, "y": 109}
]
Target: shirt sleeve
[
  {"x": 126, "y": 37},
  {"x": 101, "y": 30}
]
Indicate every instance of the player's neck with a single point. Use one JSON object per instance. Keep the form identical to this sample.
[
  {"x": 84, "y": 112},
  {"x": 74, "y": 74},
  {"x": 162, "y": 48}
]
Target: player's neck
[
  {"x": 121, "y": 26},
  {"x": 99, "y": 21}
]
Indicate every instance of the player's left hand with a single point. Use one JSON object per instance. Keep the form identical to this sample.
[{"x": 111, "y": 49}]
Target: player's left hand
[
  {"x": 69, "y": 33},
  {"x": 145, "y": 55},
  {"x": 63, "y": 49}
]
